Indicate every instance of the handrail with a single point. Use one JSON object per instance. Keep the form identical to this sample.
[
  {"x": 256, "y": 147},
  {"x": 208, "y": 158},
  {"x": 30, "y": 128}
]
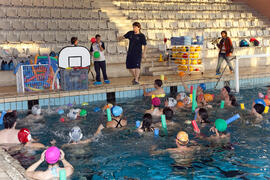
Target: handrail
[{"x": 236, "y": 72}]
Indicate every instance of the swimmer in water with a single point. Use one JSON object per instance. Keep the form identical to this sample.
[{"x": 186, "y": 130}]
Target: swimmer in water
[
  {"x": 183, "y": 100},
  {"x": 52, "y": 156},
  {"x": 158, "y": 92},
  {"x": 34, "y": 117},
  {"x": 224, "y": 94},
  {"x": 230, "y": 101},
  {"x": 202, "y": 117},
  {"x": 147, "y": 124},
  {"x": 12, "y": 136},
  {"x": 76, "y": 135},
  {"x": 117, "y": 118},
  {"x": 155, "y": 111},
  {"x": 221, "y": 137},
  {"x": 257, "y": 110},
  {"x": 170, "y": 103},
  {"x": 73, "y": 114},
  {"x": 168, "y": 112},
  {"x": 181, "y": 141}
]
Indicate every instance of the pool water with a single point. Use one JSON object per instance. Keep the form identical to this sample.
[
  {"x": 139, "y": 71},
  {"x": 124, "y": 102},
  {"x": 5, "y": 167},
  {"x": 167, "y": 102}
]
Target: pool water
[{"x": 124, "y": 154}]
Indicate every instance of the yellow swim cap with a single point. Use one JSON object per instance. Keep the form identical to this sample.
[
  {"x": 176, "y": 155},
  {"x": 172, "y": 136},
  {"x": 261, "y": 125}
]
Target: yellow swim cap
[{"x": 182, "y": 138}]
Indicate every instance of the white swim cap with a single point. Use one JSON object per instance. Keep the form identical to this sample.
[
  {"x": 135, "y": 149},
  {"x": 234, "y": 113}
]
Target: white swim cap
[
  {"x": 75, "y": 134},
  {"x": 73, "y": 114},
  {"x": 182, "y": 96},
  {"x": 172, "y": 102},
  {"x": 36, "y": 110}
]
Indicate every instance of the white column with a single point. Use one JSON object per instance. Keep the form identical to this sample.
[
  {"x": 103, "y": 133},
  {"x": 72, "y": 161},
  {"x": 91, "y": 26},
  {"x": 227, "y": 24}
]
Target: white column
[{"x": 236, "y": 73}]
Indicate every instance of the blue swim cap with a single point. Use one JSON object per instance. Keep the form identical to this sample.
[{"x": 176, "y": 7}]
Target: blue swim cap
[
  {"x": 260, "y": 101},
  {"x": 60, "y": 111},
  {"x": 116, "y": 111},
  {"x": 203, "y": 86}
]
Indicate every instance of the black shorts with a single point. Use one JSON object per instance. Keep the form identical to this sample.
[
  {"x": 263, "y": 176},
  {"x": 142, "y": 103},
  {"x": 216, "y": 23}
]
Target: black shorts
[{"x": 133, "y": 63}]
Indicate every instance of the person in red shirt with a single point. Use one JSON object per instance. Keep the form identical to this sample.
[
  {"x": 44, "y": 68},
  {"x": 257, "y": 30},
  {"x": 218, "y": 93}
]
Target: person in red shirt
[{"x": 225, "y": 51}]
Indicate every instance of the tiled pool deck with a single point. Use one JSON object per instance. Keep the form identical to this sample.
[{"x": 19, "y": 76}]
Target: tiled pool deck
[{"x": 10, "y": 99}]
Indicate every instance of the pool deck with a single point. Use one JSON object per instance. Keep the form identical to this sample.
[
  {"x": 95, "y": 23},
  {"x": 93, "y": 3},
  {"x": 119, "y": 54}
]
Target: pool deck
[
  {"x": 9, "y": 93},
  {"x": 11, "y": 168}
]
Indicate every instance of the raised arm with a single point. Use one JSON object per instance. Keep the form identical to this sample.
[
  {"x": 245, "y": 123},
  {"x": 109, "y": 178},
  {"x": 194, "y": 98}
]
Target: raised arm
[
  {"x": 31, "y": 173},
  {"x": 68, "y": 167}
]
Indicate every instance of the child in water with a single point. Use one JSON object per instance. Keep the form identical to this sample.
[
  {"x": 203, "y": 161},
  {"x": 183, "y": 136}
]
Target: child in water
[
  {"x": 117, "y": 120},
  {"x": 76, "y": 135},
  {"x": 158, "y": 92},
  {"x": 146, "y": 125},
  {"x": 181, "y": 141},
  {"x": 155, "y": 111}
]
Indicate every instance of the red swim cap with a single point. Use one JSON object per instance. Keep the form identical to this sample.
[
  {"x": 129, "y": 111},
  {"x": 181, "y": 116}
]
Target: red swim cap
[{"x": 24, "y": 135}]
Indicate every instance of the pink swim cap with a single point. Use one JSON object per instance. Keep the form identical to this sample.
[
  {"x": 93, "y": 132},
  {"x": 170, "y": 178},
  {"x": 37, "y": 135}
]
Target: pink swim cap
[
  {"x": 52, "y": 155},
  {"x": 156, "y": 101}
]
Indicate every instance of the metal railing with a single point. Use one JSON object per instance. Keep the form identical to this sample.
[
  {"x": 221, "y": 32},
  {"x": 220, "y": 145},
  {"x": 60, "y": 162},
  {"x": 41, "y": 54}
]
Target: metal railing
[{"x": 236, "y": 69}]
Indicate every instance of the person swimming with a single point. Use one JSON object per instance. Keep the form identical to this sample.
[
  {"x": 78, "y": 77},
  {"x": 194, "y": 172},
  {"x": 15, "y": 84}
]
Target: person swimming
[
  {"x": 117, "y": 120},
  {"x": 76, "y": 136},
  {"x": 170, "y": 102},
  {"x": 183, "y": 100},
  {"x": 147, "y": 124},
  {"x": 202, "y": 116},
  {"x": 155, "y": 111},
  {"x": 73, "y": 114},
  {"x": 52, "y": 156},
  {"x": 158, "y": 92},
  {"x": 257, "y": 110},
  {"x": 230, "y": 100},
  {"x": 12, "y": 136},
  {"x": 181, "y": 141}
]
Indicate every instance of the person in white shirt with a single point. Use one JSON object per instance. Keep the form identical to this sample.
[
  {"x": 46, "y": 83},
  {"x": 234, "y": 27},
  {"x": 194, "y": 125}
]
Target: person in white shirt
[{"x": 99, "y": 60}]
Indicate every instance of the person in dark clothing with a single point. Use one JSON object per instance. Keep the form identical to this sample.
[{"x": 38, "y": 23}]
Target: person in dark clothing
[
  {"x": 225, "y": 51},
  {"x": 74, "y": 41},
  {"x": 136, "y": 51},
  {"x": 99, "y": 60}
]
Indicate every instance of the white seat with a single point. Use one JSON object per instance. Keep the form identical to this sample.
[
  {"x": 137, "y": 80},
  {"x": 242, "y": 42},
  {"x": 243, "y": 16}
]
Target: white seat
[
  {"x": 39, "y": 3},
  {"x": 174, "y": 25},
  {"x": 74, "y": 25},
  {"x": 48, "y": 3},
  {"x": 181, "y": 24},
  {"x": 49, "y": 37},
  {"x": 84, "y": 25},
  {"x": 55, "y": 13},
  {"x": 121, "y": 49},
  {"x": 247, "y": 33},
  {"x": 68, "y": 4},
  {"x": 18, "y": 25},
  {"x": 42, "y": 24},
  {"x": 2, "y": 12},
  {"x": 12, "y": 37},
  {"x": 11, "y": 12},
  {"x": 28, "y": 3},
  {"x": 259, "y": 32},
  {"x": 52, "y": 25},
  {"x": 166, "y": 24},
  {"x": 187, "y": 24},
  {"x": 25, "y": 37},
  {"x": 158, "y": 25},
  {"x": 94, "y": 15},
  {"x": 66, "y": 13},
  {"x": 228, "y": 23},
  {"x": 150, "y": 25},
  {"x": 3, "y": 37},
  {"x": 179, "y": 16},
  {"x": 83, "y": 37},
  {"x": 77, "y": 3},
  {"x": 34, "y": 13},
  {"x": 243, "y": 15},
  {"x": 16, "y": 2},
  {"x": 87, "y": 4},
  {"x": 75, "y": 13},
  {"x": 241, "y": 23},
  {"x": 102, "y": 25},
  {"x": 266, "y": 32},
  {"x": 102, "y": 15},
  {"x": 111, "y": 25},
  {"x": 266, "y": 42},
  {"x": 30, "y": 25},
  {"x": 111, "y": 48},
  {"x": 253, "y": 33},
  {"x": 5, "y": 24},
  {"x": 85, "y": 13},
  {"x": 58, "y": 3},
  {"x": 93, "y": 25},
  {"x": 111, "y": 35},
  {"x": 141, "y": 15},
  {"x": 241, "y": 33},
  {"x": 61, "y": 37},
  {"x": 23, "y": 12},
  {"x": 235, "y": 24},
  {"x": 45, "y": 13},
  {"x": 5, "y": 2}
]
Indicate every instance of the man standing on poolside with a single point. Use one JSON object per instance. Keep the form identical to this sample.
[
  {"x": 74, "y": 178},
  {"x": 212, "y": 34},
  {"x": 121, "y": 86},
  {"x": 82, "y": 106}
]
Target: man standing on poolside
[
  {"x": 225, "y": 51},
  {"x": 136, "y": 50}
]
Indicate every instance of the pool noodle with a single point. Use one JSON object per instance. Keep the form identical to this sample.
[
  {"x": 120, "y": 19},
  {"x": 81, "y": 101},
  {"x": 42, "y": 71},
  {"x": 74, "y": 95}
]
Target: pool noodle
[
  {"x": 195, "y": 126},
  {"x": 266, "y": 109},
  {"x": 191, "y": 89},
  {"x": 163, "y": 121},
  {"x": 242, "y": 106},
  {"x": 230, "y": 120},
  {"x": 222, "y": 104},
  {"x": 194, "y": 103},
  {"x": 62, "y": 174},
  {"x": 109, "y": 116}
]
